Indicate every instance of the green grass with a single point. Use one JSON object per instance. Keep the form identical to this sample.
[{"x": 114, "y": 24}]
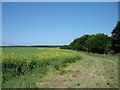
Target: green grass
[
  {"x": 90, "y": 72},
  {"x": 27, "y": 67},
  {"x": 19, "y": 62},
  {"x": 111, "y": 57},
  {"x": 21, "y": 52}
]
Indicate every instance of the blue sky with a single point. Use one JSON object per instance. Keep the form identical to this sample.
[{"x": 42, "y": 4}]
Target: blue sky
[{"x": 53, "y": 23}]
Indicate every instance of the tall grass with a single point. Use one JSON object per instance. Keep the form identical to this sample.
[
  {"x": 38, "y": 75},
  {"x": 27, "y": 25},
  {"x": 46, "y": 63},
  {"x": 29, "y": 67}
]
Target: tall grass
[{"x": 111, "y": 57}]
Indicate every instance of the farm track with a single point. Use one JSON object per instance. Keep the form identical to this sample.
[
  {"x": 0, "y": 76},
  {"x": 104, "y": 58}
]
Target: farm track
[{"x": 90, "y": 72}]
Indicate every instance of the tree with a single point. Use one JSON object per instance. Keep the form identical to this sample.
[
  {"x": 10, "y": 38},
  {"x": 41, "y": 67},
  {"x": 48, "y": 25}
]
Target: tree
[
  {"x": 97, "y": 43},
  {"x": 79, "y": 43},
  {"x": 116, "y": 38}
]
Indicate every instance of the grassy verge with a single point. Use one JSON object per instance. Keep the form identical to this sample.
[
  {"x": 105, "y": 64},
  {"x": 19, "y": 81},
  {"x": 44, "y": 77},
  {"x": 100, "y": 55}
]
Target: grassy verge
[{"x": 111, "y": 57}]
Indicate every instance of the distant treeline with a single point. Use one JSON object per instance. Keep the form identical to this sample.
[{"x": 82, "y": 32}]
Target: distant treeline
[
  {"x": 98, "y": 43},
  {"x": 47, "y": 46}
]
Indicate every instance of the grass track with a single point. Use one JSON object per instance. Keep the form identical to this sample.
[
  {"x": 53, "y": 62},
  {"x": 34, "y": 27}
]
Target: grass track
[{"x": 90, "y": 72}]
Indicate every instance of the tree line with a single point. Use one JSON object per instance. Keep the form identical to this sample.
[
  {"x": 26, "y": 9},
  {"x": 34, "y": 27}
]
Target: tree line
[{"x": 98, "y": 43}]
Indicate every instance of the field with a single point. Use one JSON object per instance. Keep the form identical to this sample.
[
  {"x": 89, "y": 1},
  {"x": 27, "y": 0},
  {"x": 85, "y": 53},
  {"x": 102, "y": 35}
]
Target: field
[
  {"x": 32, "y": 67},
  {"x": 17, "y": 61}
]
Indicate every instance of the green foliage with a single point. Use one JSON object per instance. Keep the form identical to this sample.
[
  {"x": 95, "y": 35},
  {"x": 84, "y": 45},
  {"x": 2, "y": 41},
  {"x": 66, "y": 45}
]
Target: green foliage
[
  {"x": 65, "y": 47},
  {"x": 116, "y": 38},
  {"x": 108, "y": 48},
  {"x": 79, "y": 43},
  {"x": 97, "y": 43}
]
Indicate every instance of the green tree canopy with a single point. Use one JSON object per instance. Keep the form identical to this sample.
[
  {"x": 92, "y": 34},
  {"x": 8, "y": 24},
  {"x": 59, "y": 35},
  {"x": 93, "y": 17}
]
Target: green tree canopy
[
  {"x": 97, "y": 43},
  {"x": 116, "y": 38},
  {"x": 79, "y": 43}
]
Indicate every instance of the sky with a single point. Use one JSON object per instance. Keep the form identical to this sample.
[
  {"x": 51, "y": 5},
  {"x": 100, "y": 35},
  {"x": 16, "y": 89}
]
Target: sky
[{"x": 55, "y": 23}]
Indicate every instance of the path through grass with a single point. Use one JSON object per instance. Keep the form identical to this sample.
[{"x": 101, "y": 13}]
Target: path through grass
[{"x": 90, "y": 72}]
